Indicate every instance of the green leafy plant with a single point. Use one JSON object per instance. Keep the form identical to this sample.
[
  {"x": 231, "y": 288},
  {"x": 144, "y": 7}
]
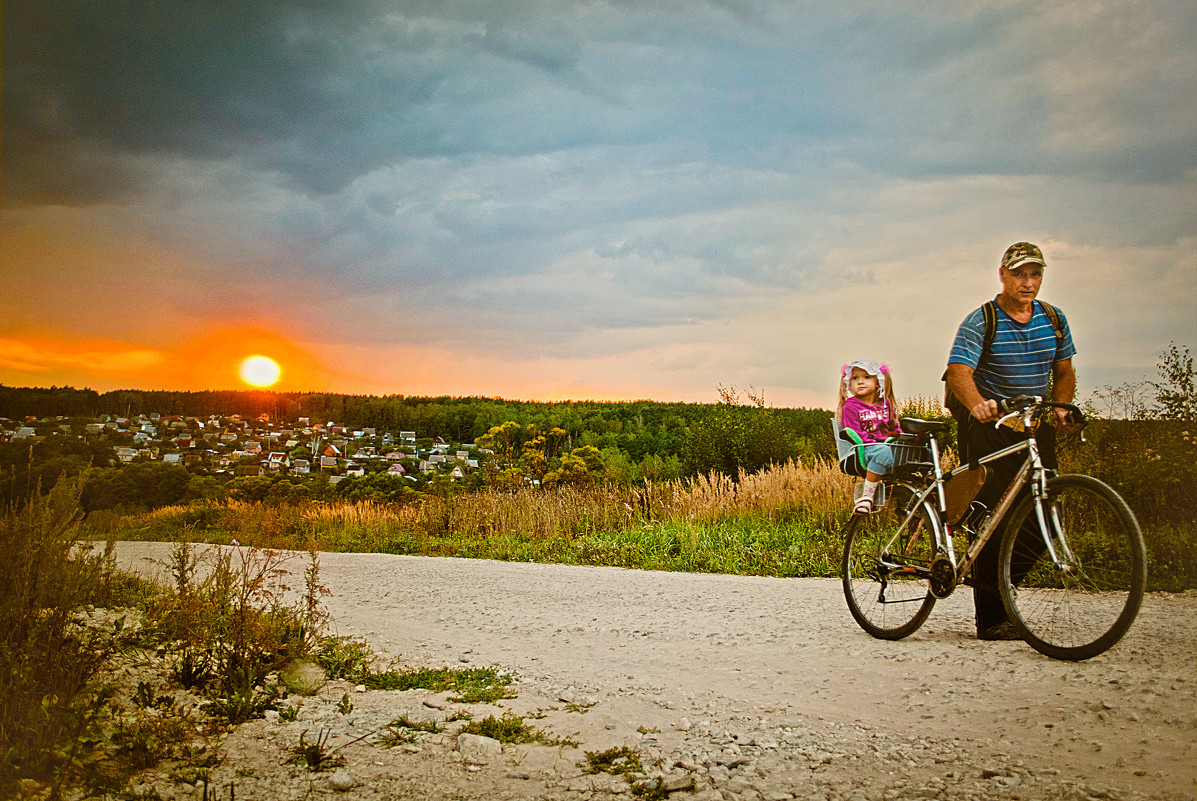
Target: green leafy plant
[
  {"x": 192, "y": 669},
  {"x": 620, "y": 761},
  {"x": 625, "y": 762},
  {"x": 472, "y": 685},
  {"x": 240, "y": 706},
  {"x": 1176, "y": 389},
  {"x": 142, "y": 741},
  {"x": 511, "y": 728},
  {"x": 344, "y": 658},
  {"x": 344, "y": 706}
]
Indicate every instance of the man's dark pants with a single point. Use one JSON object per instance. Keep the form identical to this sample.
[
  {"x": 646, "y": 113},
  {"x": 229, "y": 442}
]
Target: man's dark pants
[{"x": 980, "y": 439}]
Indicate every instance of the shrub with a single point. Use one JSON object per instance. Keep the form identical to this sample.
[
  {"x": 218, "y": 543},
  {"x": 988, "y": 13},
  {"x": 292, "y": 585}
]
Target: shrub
[{"x": 47, "y": 657}]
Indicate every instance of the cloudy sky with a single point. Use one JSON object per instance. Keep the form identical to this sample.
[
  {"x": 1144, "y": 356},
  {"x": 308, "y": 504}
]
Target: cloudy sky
[{"x": 584, "y": 199}]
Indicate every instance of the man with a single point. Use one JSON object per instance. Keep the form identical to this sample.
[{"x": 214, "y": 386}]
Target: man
[{"x": 1030, "y": 354}]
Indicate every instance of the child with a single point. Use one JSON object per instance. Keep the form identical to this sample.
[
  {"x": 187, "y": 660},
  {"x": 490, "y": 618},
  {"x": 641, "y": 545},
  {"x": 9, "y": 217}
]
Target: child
[{"x": 867, "y": 406}]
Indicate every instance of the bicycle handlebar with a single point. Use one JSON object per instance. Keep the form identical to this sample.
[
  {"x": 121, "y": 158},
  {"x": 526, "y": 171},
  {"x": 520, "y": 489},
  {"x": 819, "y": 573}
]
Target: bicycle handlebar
[{"x": 1015, "y": 406}]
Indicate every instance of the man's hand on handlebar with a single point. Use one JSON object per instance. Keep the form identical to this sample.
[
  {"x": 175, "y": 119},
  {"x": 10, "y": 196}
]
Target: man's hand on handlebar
[
  {"x": 1066, "y": 417},
  {"x": 986, "y": 411},
  {"x": 1066, "y": 421}
]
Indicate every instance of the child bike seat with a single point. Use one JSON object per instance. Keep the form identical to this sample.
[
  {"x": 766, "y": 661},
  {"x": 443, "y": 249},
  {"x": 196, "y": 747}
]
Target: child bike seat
[{"x": 911, "y": 425}]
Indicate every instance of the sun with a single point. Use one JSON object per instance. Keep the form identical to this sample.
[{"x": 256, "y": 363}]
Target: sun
[{"x": 260, "y": 371}]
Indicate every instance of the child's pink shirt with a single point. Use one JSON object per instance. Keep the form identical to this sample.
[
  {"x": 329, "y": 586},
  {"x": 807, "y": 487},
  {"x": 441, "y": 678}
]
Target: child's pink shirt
[{"x": 871, "y": 422}]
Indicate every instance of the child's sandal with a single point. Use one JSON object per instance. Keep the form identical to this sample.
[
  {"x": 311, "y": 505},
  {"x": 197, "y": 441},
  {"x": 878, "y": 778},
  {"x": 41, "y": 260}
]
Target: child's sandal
[{"x": 864, "y": 506}]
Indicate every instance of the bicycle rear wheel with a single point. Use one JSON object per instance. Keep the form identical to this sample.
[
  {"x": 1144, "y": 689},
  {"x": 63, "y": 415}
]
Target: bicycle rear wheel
[
  {"x": 885, "y": 596},
  {"x": 1079, "y": 606}
]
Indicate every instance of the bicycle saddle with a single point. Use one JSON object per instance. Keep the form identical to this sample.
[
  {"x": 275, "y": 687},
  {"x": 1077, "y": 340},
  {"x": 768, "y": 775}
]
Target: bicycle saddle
[{"x": 911, "y": 425}]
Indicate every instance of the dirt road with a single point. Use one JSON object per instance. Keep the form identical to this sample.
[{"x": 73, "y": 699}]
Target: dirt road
[{"x": 754, "y": 687}]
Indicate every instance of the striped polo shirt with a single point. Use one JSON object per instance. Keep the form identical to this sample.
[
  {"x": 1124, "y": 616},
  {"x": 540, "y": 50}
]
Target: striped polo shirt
[{"x": 1020, "y": 356}]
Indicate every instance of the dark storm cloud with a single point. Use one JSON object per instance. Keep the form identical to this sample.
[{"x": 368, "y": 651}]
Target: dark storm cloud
[
  {"x": 321, "y": 93},
  {"x": 302, "y": 88},
  {"x": 530, "y": 170}
]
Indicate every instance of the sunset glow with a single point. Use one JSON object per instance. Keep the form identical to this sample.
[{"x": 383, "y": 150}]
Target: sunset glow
[
  {"x": 260, "y": 371},
  {"x": 594, "y": 200}
]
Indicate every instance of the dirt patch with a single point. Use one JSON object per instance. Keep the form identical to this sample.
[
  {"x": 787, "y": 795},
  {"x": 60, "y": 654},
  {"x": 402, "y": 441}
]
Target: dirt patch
[{"x": 751, "y": 687}]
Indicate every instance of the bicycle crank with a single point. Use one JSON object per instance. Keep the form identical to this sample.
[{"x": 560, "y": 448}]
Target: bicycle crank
[{"x": 943, "y": 576}]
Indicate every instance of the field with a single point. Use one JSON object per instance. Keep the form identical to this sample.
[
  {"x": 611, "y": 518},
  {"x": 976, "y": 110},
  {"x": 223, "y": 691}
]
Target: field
[{"x": 783, "y": 521}]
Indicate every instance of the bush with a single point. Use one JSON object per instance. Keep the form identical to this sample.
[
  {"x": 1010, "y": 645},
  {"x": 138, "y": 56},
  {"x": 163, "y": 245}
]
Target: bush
[
  {"x": 735, "y": 439},
  {"x": 47, "y": 658}
]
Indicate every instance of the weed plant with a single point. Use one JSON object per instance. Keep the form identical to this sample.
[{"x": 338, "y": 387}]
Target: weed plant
[
  {"x": 316, "y": 754},
  {"x": 226, "y": 620},
  {"x": 512, "y": 728},
  {"x": 472, "y": 685},
  {"x": 344, "y": 658},
  {"x": 619, "y": 761},
  {"x": 48, "y": 658},
  {"x": 403, "y": 730}
]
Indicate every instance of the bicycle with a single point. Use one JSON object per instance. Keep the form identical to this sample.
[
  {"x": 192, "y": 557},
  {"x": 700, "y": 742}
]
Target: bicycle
[{"x": 1073, "y": 566}]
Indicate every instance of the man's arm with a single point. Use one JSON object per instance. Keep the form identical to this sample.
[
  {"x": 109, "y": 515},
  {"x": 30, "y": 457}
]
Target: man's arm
[
  {"x": 961, "y": 383},
  {"x": 1063, "y": 390}
]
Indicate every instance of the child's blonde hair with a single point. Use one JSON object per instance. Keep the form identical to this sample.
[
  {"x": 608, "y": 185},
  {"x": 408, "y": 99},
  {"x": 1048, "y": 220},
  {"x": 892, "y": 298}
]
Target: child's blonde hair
[{"x": 885, "y": 381}]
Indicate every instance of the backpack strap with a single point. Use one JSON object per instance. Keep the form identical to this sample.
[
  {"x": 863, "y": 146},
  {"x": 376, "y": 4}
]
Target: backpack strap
[
  {"x": 1053, "y": 317},
  {"x": 989, "y": 311}
]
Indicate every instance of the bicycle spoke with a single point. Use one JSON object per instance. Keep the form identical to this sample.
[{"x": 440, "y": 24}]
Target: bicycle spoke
[
  {"x": 884, "y": 591},
  {"x": 1083, "y": 606}
]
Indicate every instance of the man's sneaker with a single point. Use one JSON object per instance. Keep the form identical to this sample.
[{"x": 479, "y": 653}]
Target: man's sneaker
[{"x": 1001, "y": 631}]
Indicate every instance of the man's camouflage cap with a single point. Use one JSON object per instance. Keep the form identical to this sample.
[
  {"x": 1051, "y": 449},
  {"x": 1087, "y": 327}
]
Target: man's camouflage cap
[{"x": 1021, "y": 253}]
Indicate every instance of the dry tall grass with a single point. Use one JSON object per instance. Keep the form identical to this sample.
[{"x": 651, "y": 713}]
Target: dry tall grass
[
  {"x": 815, "y": 494},
  {"x": 812, "y": 496}
]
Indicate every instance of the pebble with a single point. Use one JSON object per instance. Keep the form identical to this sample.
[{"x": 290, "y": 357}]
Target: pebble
[{"x": 342, "y": 780}]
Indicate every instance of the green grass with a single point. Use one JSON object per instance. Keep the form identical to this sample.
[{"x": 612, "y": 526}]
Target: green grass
[
  {"x": 512, "y": 728},
  {"x": 472, "y": 685},
  {"x": 783, "y": 522}
]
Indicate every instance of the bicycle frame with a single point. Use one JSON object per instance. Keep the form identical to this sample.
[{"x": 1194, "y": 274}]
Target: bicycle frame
[
  {"x": 1032, "y": 471},
  {"x": 1070, "y": 590}
]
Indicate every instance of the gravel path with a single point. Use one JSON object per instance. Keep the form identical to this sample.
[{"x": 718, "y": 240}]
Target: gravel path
[{"x": 732, "y": 687}]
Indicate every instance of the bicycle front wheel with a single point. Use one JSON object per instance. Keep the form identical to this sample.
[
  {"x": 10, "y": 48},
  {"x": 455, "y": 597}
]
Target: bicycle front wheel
[
  {"x": 1079, "y": 605},
  {"x": 885, "y": 594}
]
